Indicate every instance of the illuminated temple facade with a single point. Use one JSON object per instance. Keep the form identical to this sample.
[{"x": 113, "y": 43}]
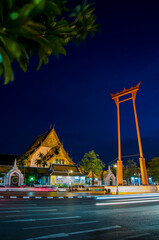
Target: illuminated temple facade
[
  {"x": 58, "y": 168},
  {"x": 50, "y": 146}
]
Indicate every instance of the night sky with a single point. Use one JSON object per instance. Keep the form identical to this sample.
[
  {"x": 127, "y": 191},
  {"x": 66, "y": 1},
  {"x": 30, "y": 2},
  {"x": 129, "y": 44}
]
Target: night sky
[{"x": 74, "y": 91}]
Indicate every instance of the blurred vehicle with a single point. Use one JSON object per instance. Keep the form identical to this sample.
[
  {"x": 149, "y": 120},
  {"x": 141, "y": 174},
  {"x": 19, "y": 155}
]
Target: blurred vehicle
[
  {"x": 54, "y": 188},
  {"x": 61, "y": 189},
  {"x": 79, "y": 188}
]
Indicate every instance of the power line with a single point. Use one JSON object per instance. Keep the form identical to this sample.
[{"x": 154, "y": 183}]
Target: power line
[
  {"x": 131, "y": 155},
  {"x": 134, "y": 155}
]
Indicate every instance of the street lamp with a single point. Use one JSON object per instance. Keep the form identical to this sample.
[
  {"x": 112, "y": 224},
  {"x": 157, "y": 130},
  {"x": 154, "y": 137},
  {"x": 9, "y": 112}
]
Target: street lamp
[
  {"x": 139, "y": 178},
  {"x": 117, "y": 191},
  {"x": 24, "y": 174}
]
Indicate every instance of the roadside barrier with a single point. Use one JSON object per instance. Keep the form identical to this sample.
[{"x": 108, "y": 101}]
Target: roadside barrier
[{"x": 38, "y": 197}]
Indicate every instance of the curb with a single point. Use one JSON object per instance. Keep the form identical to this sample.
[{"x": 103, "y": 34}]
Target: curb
[{"x": 27, "y": 197}]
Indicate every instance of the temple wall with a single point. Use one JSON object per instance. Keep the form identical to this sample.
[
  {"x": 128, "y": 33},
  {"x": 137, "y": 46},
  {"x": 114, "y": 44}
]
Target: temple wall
[
  {"x": 60, "y": 156},
  {"x": 134, "y": 189},
  {"x": 35, "y": 155},
  {"x": 50, "y": 141}
]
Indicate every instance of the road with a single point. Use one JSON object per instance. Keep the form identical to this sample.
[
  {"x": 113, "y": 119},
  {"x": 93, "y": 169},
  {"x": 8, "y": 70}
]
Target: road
[{"x": 110, "y": 217}]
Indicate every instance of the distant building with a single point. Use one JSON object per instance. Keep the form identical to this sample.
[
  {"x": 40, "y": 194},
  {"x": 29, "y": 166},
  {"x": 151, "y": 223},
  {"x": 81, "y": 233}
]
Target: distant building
[
  {"x": 109, "y": 178},
  {"x": 105, "y": 177},
  {"x": 59, "y": 167},
  {"x": 50, "y": 146}
]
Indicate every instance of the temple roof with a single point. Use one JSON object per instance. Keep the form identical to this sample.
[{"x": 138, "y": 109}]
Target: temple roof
[
  {"x": 125, "y": 91},
  {"x": 37, "y": 142},
  {"x": 68, "y": 169},
  {"x": 40, "y": 140},
  {"x": 58, "y": 170}
]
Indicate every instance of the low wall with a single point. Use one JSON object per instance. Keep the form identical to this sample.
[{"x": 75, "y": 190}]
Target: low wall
[
  {"x": 133, "y": 189},
  {"x": 29, "y": 189},
  {"x": 97, "y": 190}
]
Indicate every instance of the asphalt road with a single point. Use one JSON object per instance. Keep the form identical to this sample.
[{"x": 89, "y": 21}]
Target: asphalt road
[
  {"x": 116, "y": 217},
  {"x": 48, "y": 194}
]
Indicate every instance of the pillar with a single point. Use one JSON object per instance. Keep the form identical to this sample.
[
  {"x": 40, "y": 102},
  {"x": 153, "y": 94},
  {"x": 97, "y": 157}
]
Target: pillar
[
  {"x": 119, "y": 162},
  {"x": 119, "y": 172},
  {"x": 141, "y": 159}
]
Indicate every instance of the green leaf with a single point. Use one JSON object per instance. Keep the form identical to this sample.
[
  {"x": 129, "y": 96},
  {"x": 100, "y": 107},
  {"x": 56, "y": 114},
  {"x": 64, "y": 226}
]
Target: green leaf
[
  {"x": 6, "y": 65},
  {"x": 1, "y": 70},
  {"x": 14, "y": 15}
]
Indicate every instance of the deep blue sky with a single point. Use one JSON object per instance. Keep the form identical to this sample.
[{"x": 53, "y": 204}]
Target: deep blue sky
[{"x": 74, "y": 91}]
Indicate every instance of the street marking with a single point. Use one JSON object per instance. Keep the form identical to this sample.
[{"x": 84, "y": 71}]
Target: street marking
[
  {"x": 136, "y": 236},
  {"x": 96, "y": 229},
  {"x": 13, "y": 196},
  {"x": 41, "y": 210},
  {"x": 16, "y": 211},
  {"x": 31, "y": 210},
  {"x": 50, "y": 236},
  {"x": 119, "y": 203},
  {"x": 23, "y": 208},
  {"x": 37, "y": 214},
  {"x": 40, "y": 219},
  {"x": 74, "y": 233},
  {"x": 59, "y": 225}
]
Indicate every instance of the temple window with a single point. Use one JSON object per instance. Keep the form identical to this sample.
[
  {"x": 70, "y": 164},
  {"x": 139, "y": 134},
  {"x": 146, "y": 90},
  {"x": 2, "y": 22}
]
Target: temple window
[{"x": 56, "y": 161}]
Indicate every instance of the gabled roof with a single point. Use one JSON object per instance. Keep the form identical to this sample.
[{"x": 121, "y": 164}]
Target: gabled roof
[
  {"x": 37, "y": 143},
  {"x": 61, "y": 147},
  {"x": 50, "y": 154},
  {"x": 40, "y": 140},
  {"x": 58, "y": 170},
  {"x": 65, "y": 168}
]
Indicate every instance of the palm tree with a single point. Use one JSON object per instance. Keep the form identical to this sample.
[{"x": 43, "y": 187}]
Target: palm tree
[
  {"x": 44, "y": 162},
  {"x": 43, "y": 27},
  {"x": 38, "y": 162},
  {"x": 22, "y": 162}
]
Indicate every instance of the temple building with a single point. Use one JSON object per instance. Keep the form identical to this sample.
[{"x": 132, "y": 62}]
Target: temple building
[
  {"x": 45, "y": 162},
  {"x": 51, "y": 148}
]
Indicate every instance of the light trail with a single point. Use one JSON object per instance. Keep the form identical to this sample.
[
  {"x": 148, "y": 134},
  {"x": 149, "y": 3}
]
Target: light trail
[{"x": 128, "y": 202}]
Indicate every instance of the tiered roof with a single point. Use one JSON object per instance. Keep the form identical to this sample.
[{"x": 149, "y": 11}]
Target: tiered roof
[
  {"x": 55, "y": 169},
  {"x": 39, "y": 141}
]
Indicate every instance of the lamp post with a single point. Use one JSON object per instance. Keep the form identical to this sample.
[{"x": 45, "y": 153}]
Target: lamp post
[
  {"x": 69, "y": 171},
  {"x": 117, "y": 190},
  {"x": 139, "y": 178},
  {"x": 24, "y": 173}
]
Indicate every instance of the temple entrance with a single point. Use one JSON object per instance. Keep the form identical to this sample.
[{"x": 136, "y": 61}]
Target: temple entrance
[
  {"x": 14, "y": 180},
  {"x": 110, "y": 182},
  {"x": 109, "y": 178}
]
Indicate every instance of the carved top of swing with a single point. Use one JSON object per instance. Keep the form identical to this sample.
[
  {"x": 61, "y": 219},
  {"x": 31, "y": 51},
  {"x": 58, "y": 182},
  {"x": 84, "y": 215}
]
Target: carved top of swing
[{"x": 126, "y": 91}]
